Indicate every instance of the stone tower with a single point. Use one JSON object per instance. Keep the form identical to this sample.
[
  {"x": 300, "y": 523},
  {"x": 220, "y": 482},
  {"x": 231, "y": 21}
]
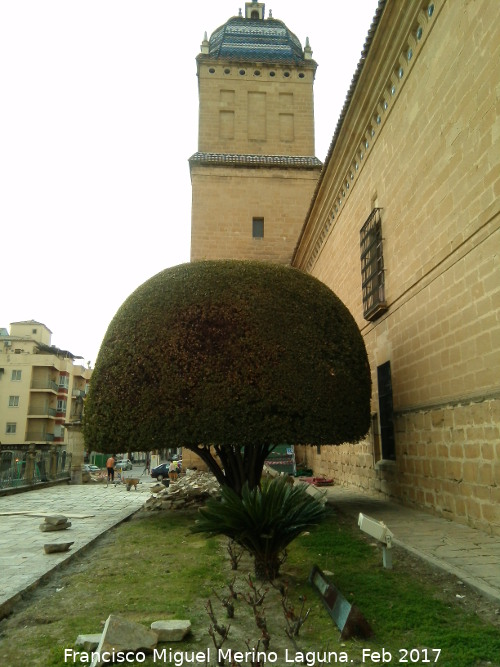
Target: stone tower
[{"x": 255, "y": 172}]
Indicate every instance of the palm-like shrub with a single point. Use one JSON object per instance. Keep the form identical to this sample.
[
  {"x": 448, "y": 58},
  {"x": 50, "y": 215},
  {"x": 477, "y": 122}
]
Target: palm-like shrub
[{"x": 264, "y": 520}]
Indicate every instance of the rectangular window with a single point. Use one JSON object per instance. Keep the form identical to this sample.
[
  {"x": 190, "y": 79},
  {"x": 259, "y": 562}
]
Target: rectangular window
[
  {"x": 11, "y": 428},
  {"x": 16, "y": 376},
  {"x": 258, "y": 228},
  {"x": 61, "y": 405},
  {"x": 64, "y": 381},
  {"x": 372, "y": 267},
  {"x": 13, "y": 401},
  {"x": 385, "y": 403}
]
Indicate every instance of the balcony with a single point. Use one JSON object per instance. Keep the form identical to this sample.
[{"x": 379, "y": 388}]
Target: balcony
[
  {"x": 40, "y": 411},
  {"x": 36, "y": 436},
  {"x": 78, "y": 393},
  {"x": 44, "y": 385}
]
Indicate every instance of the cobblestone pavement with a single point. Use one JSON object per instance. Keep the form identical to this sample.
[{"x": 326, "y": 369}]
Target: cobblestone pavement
[{"x": 91, "y": 508}]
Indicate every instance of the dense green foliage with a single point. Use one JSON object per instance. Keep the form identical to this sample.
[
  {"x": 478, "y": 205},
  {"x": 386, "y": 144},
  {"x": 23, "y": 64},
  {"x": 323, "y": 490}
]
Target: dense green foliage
[
  {"x": 238, "y": 355},
  {"x": 264, "y": 521}
]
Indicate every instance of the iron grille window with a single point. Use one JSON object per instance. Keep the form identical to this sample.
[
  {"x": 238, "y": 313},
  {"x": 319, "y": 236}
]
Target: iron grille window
[{"x": 372, "y": 267}]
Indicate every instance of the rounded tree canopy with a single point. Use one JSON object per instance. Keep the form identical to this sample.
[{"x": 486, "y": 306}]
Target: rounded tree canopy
[{"x": 229, "y": 353}]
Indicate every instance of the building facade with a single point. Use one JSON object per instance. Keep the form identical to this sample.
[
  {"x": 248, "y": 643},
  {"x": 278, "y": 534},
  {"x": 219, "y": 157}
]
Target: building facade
[
  {"x": 255, "y": 171},
  {"x": 403, "y": 226},
  {"x": 41, "y": 387}
]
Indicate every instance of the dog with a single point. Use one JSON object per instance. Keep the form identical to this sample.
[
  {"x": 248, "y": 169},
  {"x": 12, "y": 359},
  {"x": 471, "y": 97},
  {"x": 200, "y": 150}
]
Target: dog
[{"x": 131, "y": 482}]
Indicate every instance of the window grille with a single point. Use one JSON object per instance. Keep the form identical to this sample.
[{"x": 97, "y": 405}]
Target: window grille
[{"x": 372, "y": 266}]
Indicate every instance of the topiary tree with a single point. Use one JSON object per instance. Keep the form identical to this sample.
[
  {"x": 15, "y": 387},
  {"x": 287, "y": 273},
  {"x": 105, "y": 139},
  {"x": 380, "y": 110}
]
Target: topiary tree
[{"x": 229, "y": 359}]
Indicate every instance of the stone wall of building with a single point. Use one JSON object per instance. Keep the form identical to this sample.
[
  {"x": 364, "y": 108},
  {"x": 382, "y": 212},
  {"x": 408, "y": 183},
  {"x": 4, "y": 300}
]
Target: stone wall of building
[
  {"x": 251, "y": 115},
  {"x": 256, "y": 108},
  {"x": 423, "y": 145},
  {"x": 226, "y": 199},
  {"x": 447, "y": 462}
]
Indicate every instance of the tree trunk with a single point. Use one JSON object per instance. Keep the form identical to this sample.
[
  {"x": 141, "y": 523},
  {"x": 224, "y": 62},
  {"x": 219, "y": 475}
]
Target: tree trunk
[
  {"x": 267, "y": 567},
  {"x": 239, "y": 465}
]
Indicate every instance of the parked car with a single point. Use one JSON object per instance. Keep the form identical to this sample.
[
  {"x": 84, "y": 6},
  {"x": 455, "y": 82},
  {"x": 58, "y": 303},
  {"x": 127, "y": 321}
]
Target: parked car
[
  {"x": 124, "y": 464},
  {"x": 90, "y": 468},
  {"x": 160, "y": 472}
]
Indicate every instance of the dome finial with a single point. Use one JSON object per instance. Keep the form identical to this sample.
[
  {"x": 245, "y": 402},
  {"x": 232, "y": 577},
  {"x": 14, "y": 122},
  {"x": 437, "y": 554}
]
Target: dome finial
[{"x": 205, "y": 45}]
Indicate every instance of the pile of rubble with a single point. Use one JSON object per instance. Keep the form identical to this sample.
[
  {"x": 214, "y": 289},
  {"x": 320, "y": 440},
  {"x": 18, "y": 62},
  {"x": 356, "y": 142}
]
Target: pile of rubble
[{"x": 190, "y": 490}]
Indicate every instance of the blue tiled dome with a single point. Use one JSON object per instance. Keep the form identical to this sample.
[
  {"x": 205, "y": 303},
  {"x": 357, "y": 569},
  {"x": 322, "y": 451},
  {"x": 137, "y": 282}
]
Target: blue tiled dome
[{"x": 255, "y": 40}]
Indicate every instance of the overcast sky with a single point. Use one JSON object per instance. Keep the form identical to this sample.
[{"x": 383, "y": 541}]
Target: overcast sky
[{"x": 95, "y": 194}]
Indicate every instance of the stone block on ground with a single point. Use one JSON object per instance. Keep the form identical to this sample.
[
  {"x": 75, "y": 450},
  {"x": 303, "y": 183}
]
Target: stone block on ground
[
  {"x": 88, "y": 642},
  {"x": 48, "y": 527},
  {"x": 57, "y": 547},
  {"x": 56, "y": 519},
  {"x": 122, "y": 635},
  {"x": 171, "y": 631}
]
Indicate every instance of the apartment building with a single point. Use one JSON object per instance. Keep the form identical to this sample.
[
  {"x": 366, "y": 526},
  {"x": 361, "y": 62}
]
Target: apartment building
[{"x": 41, "y": 386}]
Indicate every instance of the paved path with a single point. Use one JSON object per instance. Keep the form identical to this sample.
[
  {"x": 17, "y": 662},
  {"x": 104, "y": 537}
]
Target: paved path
[
  {"x": 92, "y": 510},
  {"x": 473, "y": 556}
]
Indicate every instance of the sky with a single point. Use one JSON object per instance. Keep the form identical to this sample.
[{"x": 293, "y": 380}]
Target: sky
[{"x": 95, "y": 193}]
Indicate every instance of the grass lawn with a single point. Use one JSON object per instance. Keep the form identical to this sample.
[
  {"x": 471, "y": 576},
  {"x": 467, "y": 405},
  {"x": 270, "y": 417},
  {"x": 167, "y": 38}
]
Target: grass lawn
[{"x": 152, "y": 568}]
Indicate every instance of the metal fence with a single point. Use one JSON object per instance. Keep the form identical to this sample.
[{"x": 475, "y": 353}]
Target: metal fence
[{"x": 29, "y": 465}]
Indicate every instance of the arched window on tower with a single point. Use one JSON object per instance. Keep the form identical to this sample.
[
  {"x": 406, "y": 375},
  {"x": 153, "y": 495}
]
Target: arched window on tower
[{"x": 254, "y": 10}]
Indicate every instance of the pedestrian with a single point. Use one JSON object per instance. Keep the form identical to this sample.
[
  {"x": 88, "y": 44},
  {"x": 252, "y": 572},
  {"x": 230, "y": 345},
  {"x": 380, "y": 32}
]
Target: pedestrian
[
  {"x": 110, "y": 465},
  {"x": 173, "y": 470}
]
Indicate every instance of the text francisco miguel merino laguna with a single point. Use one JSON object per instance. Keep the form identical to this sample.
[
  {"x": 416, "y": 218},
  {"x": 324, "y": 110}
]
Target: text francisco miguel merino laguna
[{"x": 180, "y": 658}]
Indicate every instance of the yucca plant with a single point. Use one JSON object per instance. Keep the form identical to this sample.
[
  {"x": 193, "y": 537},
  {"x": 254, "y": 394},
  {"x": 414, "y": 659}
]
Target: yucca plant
[{"x": 263, "y": 520}]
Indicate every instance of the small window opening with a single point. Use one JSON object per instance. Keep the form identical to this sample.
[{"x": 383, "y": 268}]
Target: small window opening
[
  {"x": 385, "y": 402},
  {"x": 258, "y": 228}
]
